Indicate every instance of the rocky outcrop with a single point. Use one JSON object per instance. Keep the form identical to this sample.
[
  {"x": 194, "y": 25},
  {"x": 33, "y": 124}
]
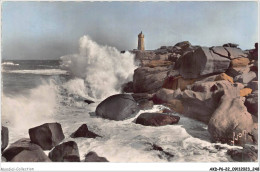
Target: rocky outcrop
[
  {"x": 157, "y": 119},
  {"x": 148, "y": 79},
  {"x": 246, "y": 77},
  {"x": 229, "y": 120},
  {"x": 201, "y": 62},
  {"x": 47, "y": 135},
  {"x": 65, "y": 152},
  {"x": 239, "y": 62},
  {"x": 4, "y": 137},
  {"x": 201, "y": 99},
  {"x": 144, "y": 100},
  {"x": 83, "y": 131},
  {"x": 25, "y": 151},
  {"x": 177, "y": 82},
  {"x": 163, "y": 96},
  {"x": 93, "y": 157},
  {"x": 224, "y": 76},
  {"x": 158, "y": 63},
  {"x": 117, "y": 107},
  {"x": 253, "y": 85},
  {"x": 249, "y": 153}
]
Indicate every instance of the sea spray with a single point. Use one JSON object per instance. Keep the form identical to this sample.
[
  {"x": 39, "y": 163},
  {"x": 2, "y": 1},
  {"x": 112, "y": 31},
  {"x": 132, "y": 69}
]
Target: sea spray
[
  {"x": 22, "y": 112},
  {"x": 102, "y": 68}
]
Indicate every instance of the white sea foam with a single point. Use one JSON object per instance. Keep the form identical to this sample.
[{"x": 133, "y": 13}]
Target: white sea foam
[
  {"x": 104, "y": 69},
  {"x": 125, "y": 141},
  {"x": 39, "y": 71},
  {"x": 9, "y": 64},
  {"x": 19, "y": 113}
]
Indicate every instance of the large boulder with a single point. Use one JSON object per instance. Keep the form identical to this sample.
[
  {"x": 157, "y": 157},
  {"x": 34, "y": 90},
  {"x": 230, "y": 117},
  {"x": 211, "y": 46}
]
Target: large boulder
[
  {"x": 231, "y": 123},
  {"x": 157, "y": 119},
  {"x": 65, "y": 152},
  {"x": 149, "y": 79},
  {"x": 252, "y": 103},
  {"x": 4, "y": 137},
  {"x": 25, "y": 151},
  {"x": 83, "y": 131},
  {"x": 117, "y": 107},
  {"x": 47, "y": 135},
  {"x": 93, "y": 157},
  {"x": 200, "y": 62},
  {"x": 201, "y": 99},
  {"x": 247, "y": 154}
]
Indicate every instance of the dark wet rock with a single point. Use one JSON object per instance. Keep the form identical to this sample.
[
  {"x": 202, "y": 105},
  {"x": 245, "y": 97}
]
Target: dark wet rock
[
  {"x": 245, "y": 77},
  {"x": 200, "y": 62},
  {"x": 247, "y": 154},
  {"x": 83, "y": 131},
  {"x": 167, "y": 111},
  {"x": 219, "y": 147},
  {"x": 88, "y": 101},
  {"x": 145, "y": 104},
  {"x": 4, "y": 137},
  {"x": 117, "y": 107},
  {"x": 230, "y": 45},
  {"x": 173, "y": 57},
  {"x": 128, "y": 87},
  {"x": 163, "y": 154},
  {"x": 254, "y": 52},
  {"x": 251, "y": 103},
  {"x": 47, "y": 135},
  {"x": 65, "y": 152},
  {"x": 229, "y": 119},
  {"x": 253, "y": 85},
  {"x": 157, "y": 119},
  {"x": 25, "y": 151},
  {"x": 93, "y": 157},
  {"x": 149, "y": 79}
]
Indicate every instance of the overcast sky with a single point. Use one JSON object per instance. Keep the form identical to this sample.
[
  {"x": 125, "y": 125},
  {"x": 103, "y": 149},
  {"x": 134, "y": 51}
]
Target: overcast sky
[{"x": 48, "y": 30}]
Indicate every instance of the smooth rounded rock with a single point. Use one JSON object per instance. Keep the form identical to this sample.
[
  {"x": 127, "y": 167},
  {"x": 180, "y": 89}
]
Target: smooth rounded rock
[{"x": 118, "y": 107}]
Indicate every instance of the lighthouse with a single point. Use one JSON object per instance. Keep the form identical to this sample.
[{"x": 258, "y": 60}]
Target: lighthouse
[{"x": 140, "y": 41}]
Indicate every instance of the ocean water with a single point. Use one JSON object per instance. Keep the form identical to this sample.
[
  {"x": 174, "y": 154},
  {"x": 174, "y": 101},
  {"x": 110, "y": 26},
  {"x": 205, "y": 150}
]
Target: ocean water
[{"x": 39, "y": 91}]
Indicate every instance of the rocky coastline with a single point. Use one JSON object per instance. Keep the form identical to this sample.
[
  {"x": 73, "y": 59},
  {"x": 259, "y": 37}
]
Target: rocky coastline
[{"x": 215, "y": 85}]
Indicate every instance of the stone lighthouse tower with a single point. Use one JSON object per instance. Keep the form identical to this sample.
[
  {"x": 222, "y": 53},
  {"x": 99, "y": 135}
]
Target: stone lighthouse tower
[{"x": 140, "y": 41}]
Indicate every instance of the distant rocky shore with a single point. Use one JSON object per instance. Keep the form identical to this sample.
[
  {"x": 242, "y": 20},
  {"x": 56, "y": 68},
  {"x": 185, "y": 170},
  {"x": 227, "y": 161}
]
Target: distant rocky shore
[{"x": 215, "y": 85}]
